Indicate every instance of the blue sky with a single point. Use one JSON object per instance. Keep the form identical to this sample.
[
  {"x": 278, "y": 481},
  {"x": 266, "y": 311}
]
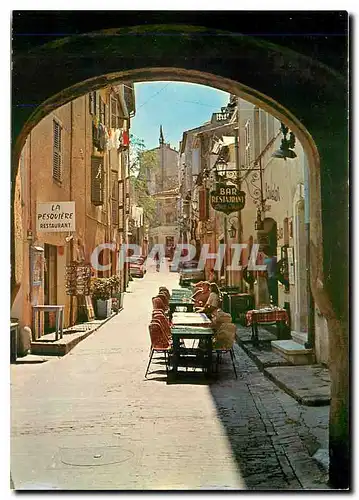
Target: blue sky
[{"x": 177, "y": 106}]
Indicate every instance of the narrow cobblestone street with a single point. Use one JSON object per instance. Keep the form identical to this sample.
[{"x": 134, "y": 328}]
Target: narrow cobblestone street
[{"x": 90, "y": 420}]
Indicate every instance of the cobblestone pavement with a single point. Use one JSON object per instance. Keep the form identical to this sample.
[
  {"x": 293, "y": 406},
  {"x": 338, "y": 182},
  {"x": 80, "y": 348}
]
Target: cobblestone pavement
[{"x": 90, "y": 421}]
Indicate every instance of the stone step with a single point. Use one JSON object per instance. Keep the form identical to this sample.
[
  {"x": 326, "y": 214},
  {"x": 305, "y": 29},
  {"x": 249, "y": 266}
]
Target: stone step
[
  {"x": 299, "y": 337},
  {"x": 293, "y": 352}
]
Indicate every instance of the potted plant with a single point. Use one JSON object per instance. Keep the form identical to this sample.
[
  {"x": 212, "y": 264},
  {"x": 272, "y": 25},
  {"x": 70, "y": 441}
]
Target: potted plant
[
  {"x": 116, "y": 294},
  {"x": 101, "y": 294}
]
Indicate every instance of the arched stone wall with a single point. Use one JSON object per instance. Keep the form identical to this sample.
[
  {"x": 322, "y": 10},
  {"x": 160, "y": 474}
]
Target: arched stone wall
[{"x": 306, "y": 95}]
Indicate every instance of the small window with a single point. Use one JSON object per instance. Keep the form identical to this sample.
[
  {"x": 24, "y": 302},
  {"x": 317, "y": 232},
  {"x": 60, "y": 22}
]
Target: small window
[{"x": 57, "y": 152}]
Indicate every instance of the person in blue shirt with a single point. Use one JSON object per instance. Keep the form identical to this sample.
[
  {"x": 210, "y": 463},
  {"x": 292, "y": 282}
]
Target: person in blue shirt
[{"x": 270, "y": 261}]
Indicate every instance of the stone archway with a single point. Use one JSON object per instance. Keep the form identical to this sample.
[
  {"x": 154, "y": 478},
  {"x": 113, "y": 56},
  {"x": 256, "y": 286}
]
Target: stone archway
[{"x": 303, "y": 93}]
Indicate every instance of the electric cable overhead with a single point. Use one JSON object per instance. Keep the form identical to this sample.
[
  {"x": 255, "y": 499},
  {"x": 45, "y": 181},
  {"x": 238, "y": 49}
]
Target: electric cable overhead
[{"x": 154, "y": 95}]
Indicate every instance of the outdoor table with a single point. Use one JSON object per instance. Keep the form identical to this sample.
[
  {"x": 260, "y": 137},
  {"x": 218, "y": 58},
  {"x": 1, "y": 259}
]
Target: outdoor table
[
  {"x": 190, "y": 319},
  {"x": 180, "y": 292},
  {"x": 188, "y": 332},
  {"x": 267, "y": 315},
  {"x": 180, "y": 302},
  {"x": 59, "y": 310}
]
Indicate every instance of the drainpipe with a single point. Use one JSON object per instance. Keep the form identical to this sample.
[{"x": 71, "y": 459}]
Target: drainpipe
[
  {"x": 239, "y": 216},
  {"x": 225, "y": 229},
  {"x": 310, "y": 344},
  {"x": 72, "y": 322}
]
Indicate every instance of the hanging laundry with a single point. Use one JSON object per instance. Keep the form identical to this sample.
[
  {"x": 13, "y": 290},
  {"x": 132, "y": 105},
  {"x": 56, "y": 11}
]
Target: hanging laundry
[
  {"x": 118, "y": 135},
  {"x": 125, "y": 139},
  {"x": 101, "y": 139},
  {"x": 95, "y": 135}
]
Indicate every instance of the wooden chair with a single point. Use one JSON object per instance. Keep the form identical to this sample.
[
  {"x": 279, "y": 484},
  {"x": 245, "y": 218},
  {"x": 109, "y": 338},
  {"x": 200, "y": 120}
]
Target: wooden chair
[
  {"x": 158, "y": 303},
  {"x": 159, "y": 343},
  {"x": 163, "y": 289},
  {"x": 159, "y": 316},
  {"x": 164, "y": 297}
]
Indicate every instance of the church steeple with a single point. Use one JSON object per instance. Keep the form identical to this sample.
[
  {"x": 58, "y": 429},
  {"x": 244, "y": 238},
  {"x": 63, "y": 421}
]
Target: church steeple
[{"x": 162, "y": 140}]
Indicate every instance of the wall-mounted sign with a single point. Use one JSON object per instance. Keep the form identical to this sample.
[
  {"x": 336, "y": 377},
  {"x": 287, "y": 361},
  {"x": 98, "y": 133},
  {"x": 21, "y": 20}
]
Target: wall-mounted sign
[
  {"x": 227, "y": 198},
  {"x": 290, "y": 265},
  {"x": 272, "y": 192},
  {"x": 55, "y": 217}
]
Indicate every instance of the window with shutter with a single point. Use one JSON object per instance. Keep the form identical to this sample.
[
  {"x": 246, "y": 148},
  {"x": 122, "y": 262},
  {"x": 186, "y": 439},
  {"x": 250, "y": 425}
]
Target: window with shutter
[
  {"x": 97, "y": 181},
  {"x": 102, "y": 112},
  {"x": 115, "y": 198},
  {"x": 57, "y": 152},
  {"x": 114, "y": 113},
  {"x": 203, "y": 204},
  {"x": 120, "y": 193}
]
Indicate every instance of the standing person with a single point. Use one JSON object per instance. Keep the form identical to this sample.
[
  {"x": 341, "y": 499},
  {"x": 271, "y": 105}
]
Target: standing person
[
  {"x": 270, "y": 261},
  {"x": 157, "y": 260}
]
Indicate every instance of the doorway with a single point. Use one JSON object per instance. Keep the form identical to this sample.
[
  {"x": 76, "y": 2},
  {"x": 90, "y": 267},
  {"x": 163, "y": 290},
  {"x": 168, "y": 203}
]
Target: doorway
[{"x": 50, "y": 285}]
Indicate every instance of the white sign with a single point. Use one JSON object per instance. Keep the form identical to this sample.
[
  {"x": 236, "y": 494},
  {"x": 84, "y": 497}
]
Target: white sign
[
  {"x": 55, "y": 217},
  {"x": 290, "y": 265}
]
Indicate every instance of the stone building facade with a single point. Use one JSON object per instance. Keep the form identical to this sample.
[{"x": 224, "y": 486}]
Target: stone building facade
[
  {"x": 78, "y": 153},
  {"x": 275, "y": 216}
]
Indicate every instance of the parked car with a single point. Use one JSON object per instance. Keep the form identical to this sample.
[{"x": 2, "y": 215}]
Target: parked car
[
  {"x": 137, "y": 266},
  {"x": 189, "y": 273}
]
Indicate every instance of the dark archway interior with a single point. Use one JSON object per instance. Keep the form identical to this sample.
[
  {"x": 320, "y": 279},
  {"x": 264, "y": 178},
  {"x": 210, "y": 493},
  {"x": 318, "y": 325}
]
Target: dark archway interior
[{"x": 305, "y": 73}]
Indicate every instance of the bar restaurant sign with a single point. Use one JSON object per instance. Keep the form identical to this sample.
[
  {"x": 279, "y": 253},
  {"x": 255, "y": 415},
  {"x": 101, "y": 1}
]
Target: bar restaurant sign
[
  {"x": 56, "y": 217},
  {"x": 227, "y": 198}
]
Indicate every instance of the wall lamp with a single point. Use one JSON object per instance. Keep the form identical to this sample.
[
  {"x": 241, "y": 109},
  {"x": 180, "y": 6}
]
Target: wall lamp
[{"x": 286, "y": 147}]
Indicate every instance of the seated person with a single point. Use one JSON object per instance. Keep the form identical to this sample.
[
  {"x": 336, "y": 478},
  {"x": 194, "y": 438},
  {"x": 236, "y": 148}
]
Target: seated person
[
  {"x": 213, "y": 301},
  {"x": 200, "y": 297}
]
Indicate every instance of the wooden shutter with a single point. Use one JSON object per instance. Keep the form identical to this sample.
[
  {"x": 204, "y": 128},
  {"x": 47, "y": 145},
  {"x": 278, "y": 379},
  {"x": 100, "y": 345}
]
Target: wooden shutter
[
  {"x": 203, "y": 204},
  {"x": 114, "y": 198},
  {"x": 114, "y": 112},
  {"x": 102, "y": 112},
  {"x": 97, "y": 181},
  {"x": 57, "y": 152}
]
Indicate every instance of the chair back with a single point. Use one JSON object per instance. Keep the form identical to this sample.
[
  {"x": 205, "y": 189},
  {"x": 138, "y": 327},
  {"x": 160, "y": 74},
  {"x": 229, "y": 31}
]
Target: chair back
[
  {"x": 159, "y": 316},
  {"x": 158, "y": 303},
  {"x": 164, "y": 297},
  {"x": 158, "y": 339},
  {"x": 165, "y": 330},
  {"x": 163, "y": 289}
]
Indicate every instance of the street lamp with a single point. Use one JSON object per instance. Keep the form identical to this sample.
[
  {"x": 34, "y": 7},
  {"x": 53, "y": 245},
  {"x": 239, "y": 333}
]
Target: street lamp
[
  {"x": 232, "y": 231},
  {"x": 284, "y": 151}
]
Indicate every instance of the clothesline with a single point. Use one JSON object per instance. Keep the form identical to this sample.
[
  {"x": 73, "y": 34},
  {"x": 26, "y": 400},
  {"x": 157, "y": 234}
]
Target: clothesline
[{"x": 108, "y": 138}]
